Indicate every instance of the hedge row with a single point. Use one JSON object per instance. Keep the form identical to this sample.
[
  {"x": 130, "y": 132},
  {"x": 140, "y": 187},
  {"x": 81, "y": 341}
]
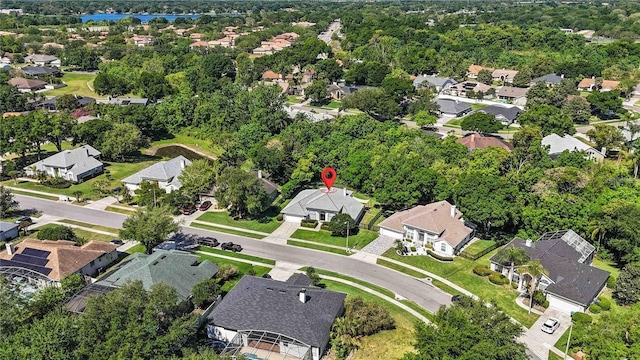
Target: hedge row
[
  {"x": 482, "y": 270},
  {"x": 581, "y": 318},
  {"x": 498, "y": 279},
  {"x": 439, "y": 257},
  {"x": 309, "y": 223}
]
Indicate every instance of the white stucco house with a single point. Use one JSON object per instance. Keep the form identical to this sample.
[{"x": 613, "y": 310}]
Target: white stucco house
[
  {"x": 73, "y": 165},
  {"x": 166, "y": 173},
  {"x": 322, "y": 205},
  {"x": 43, "y": 60},
  {"x": 572, "y": 283},
  {"x": 438, "y": 225}
]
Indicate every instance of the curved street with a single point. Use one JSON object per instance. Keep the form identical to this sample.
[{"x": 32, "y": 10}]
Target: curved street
[{"x": 419, "y": 291}]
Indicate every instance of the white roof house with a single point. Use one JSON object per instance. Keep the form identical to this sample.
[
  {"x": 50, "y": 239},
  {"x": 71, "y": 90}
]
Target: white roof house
[
  {"x": 166, "y": 173},
  {"x": 322, "y": 205},
  {"x": 558, "y": 144},
  {"x": 42, "y": 60},
  {"x": 72, "y": 165}
]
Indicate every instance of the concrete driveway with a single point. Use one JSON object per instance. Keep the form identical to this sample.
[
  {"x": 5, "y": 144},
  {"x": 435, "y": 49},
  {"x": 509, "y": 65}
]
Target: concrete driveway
[{"x": 540, "y": 342}]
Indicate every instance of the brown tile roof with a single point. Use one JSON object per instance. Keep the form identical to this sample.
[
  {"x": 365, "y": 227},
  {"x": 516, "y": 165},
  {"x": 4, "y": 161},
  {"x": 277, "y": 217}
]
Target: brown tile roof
[
  {"x": 435, "y": 218},
  {"x": 478, "y": 142},
  {"x": 475, "y": 69},
  {"x": 22, "y": 83},
  {"x": 610, "y": 84},
  {"x": 271, "y": 75},
  {"x": 512, "y": 92},
  {"x": 65, "y": 257},
  {"x": 586, "y": 82}
]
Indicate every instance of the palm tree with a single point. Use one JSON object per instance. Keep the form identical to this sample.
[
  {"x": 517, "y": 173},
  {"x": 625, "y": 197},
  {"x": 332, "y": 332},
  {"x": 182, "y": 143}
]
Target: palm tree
[
  {"x": 597, "y": 230},
  {"x": 513, "y": 256},
  {"x": 535, "y": 270}
]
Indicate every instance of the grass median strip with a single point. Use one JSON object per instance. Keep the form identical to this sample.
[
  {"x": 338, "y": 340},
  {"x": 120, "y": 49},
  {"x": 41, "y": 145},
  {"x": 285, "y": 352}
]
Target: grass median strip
[
  {"x": 402, "y": 269},
  {"x": 37, "y": 195},
  {"x": 357, "y": 241},
  {"x": 236, "y": 255},
  {"x": 444, "y": 287},
  {"x": 119, "y": 210},
  {"x": 357, "y": 281},
  {"x": 90, "y": 235},
  {"x": 228, "y": 231},
  {"x": 316, "y": 247},
  {"x": 419, "y": 309},
  {"x": 90, "y": 226},
  {"x": 223, "y": 218}
]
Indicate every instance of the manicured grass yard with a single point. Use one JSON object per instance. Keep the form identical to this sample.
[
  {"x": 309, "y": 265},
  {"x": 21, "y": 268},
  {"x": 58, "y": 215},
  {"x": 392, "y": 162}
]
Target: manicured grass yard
[
  {"x": 120, "y": 210},
  {"x": 202, "y": 145},
  {"x": 455, "y": 122},
  {"x": 27, "y": 193},
  {"x": 479, "y": 246},
  {"x": 357, "y": 241},
  {"x": 317, "y": 247},
  {"x": 228, "y": 231},
  {"x": 388, "y": 344},
  {"x": 460, "y": 272},
  {"x": 118, "y": 172},
  {"x": 236, "y": 255},
  {"x": 243, "y": 268},
  {"x": 90, "y": 226},
  {"x": 223, "y": 218},
  {"x": 607, "y": 265},
  {"x": 139, "y": 248},
  {"x": 77, "y": 84},
  {"x": 475, "y": 107},
  {"x": 89, "y": 235}
]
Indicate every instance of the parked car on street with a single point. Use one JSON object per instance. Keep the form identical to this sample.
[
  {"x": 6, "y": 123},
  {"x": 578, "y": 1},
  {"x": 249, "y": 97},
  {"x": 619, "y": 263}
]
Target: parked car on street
[
  {"x": 231, "y": 246},
  {"x": 189, "y": 209},
  {"x": 550, "y": 325},
  {"x": 205, "y": 205},
  {"x": 208, "y": 241}
]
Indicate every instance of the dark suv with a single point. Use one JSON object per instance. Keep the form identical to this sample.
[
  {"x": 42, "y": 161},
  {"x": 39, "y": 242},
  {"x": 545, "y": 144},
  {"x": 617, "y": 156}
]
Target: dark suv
[
  {"x": 208, "y": 241},
  {"x": 231, "y": 246}
]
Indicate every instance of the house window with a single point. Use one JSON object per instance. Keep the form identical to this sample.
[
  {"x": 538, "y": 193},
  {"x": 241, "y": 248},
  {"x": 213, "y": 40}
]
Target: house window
[
  {"x": 443, "y": 247},
  {"x": 323, "y": 216},
  {"x": 409, "y": 234}
]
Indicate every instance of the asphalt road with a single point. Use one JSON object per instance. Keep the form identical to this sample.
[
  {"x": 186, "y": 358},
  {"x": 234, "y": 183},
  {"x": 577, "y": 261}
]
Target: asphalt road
[{"x": 422, "y": 293}]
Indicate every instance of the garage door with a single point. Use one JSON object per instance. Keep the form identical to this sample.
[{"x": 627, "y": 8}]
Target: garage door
[
  {"x": 292, "y": 218},
  {"x": 391, "y": 234},
  {"x": 563, "y": 305}
]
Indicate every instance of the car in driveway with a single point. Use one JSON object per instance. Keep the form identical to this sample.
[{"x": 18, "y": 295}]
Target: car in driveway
[
  {"x": 550, "y": 325},
  {"x": 231, "y": 246},
  {"x": 208, "y": 241},
  {"x": 25, "y": 219},
  {"x": 189, "y": 209},
  {"x": 116, "y": 242},
  {"x": 205, "y": 205}
]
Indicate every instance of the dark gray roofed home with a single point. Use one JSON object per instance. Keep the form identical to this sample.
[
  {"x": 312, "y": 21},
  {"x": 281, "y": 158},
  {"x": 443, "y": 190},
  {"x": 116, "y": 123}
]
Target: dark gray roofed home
[
  {"x": 573, "y": 283},
  {"x": 261, "y": 316},
  {"x": 453, "y": 107},
  {"x": 505, "y": 114},
  {"x": 550, "y": 79},
  {"x": 37, "y": 71}
]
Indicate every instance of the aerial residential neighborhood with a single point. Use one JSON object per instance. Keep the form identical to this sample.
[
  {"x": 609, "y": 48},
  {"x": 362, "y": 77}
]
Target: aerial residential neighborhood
[{"x": 319, "y": 180}]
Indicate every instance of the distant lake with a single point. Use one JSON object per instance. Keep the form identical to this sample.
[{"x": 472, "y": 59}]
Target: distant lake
[{"x": 143, "y": 18}]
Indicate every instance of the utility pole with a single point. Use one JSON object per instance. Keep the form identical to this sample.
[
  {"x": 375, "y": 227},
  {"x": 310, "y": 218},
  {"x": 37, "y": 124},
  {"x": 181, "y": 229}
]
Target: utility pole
[{"x": 566, "y": 350}]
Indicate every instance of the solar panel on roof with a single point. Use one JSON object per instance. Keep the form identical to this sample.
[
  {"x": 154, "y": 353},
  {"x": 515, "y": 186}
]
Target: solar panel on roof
[
  {"x": 30, "y": 259},
  {"x": 36, "y": 252},
  {"x": 40, "y": 269}
]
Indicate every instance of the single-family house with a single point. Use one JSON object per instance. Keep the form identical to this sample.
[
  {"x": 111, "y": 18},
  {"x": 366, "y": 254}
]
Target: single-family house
[
  {"x": 27, "y": 85},
  {"x": 504, "y": 75},
  {"x": 593, "y": 84},
  {"x": 265, "y": 318},
  {"x": 271, "y": 76},
  {"x": 8, "y": 231},
  {"x": 433, "y": 82},
  {"x": 48, "y": 262},
  {"x": 337, "y": 91},
  {"x": 477, "y": 141},
  {"x": 507, "y": 115},
  {"x": 40, "y": 71},
  {"x": 467, "y": 89},
  {"x": 322, "y": 205},
  {"x": 455, "y": 108},
  {"x": 5, "y": 60},
  {"x": 43, "y": 60},
  {"x": 572, "y": 283},
  {"x": 123, "y": 101},
  {"x": 73, "y": 165},
  {"x": 166, "y": 173},
  {"x": 177, "y": 269},
  {"x": 550, "y": 79},
  {"x": 474, "y": 70},
  {"x": 142, "y": 40},
  {"x": 437, "y": 225},
  {"x": 513, "y": 95},
  {"x": 50, "y": 103},
  {"x": 557, "y": 144}
]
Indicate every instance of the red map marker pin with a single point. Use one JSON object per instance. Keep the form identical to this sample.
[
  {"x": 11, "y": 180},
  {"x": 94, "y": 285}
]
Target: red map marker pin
[{"x": 328, "y": 176}]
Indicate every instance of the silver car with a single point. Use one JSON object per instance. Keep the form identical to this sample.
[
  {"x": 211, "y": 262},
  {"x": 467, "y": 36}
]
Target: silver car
[{"x": 550, "y": 325}]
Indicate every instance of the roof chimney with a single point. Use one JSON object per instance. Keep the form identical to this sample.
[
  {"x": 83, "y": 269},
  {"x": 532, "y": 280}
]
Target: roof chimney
[
  {"x": 453, "y": 211},
  {"x": 10, "y": 248},
  {"x": 183, "y": 164},
  {"x": 259, "y": 174},
  {"x": 528, "y": 243},
  {"x": 303, "y": 296}
]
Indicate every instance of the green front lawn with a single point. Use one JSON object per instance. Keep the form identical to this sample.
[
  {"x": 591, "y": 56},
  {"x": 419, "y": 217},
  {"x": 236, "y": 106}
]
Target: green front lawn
[
  {"x": 27, "y": 193},
  {"x": 475, "y": 107},
  {"x": 479, "y": 246},
  {"x": 607, "y": 265},
  {"x": 139, "y": 248},
  {"x": 236, "y": 255},
  {"x": 90, "y": 226},
  {"x": 228, "y": 231},
  {"x": 460, "y": 273},
  {"x": 455, "y": 122},
  {"x": 90, "y": 235},
  {"x": 357, "y": 241},
  {"x": 317, "y": 247},
  {"x": 265, "y": 225},
  {"x": 77, "y": 84},
  {"x": 118, "y": 171}
]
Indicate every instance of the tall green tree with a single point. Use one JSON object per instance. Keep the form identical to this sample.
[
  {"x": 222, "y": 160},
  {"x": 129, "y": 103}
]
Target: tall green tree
[
  {"x": 8, "y": 203},
  {"x": 512, "y": 256},
  {"x": 481, "y": 332},
  {"x": 241, "y": 193},
  {"x": 549, "y": 118},
  {"x": 198, "y": 177},
  {"x": 627, "y": 289},
  {"x": 578, "y": 109},
  {"x": 149, "y": 226},
  {"x": 606, "y": 136},
  {"x": 372, "y": 101},
  {"x": 481, "y": 122},
  {"x": 122, "y": 140},
  {"x": 535, "y": 271},
  {"x": 485, "y": 76}
]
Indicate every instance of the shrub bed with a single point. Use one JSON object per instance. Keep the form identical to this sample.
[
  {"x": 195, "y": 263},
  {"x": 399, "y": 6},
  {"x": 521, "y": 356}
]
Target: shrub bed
[
  {"x": 604, "y": 303},
  {"x": 611, "y": 282},
  {"x": 594, "y": 308},
  {"x": 57, "y": 183},
  {"x": 309, "y": 223},
  {"x": 441, "y": 258},
  {"x": 582, "y": 318},
  {"x": 481, "y": 270},
  {"x": 540, "y": 299},
  {"x": 498, "y": 278}
]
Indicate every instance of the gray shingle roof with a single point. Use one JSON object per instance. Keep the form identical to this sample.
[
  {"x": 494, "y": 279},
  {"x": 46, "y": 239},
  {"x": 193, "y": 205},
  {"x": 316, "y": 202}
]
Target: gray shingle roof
[
  {"x": 271, "y": 305},
  {"x": 428, "y": 80},
  {"x": 7, "y": 226},
  {"x": 163, "y": 171},
  {"x": 558, "y": 144},
  {"x": 510, "y": 113},
  {"x": 78, "y": 160},
  {"x": 448, "y": 106},
  {"x": 562, "y": 253},
  {"x": 549, "y": 78},
  {"x": 320, "y": 199},
  {"x": 177, "y": 269},
  {"x": 39, "y": 70}
]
